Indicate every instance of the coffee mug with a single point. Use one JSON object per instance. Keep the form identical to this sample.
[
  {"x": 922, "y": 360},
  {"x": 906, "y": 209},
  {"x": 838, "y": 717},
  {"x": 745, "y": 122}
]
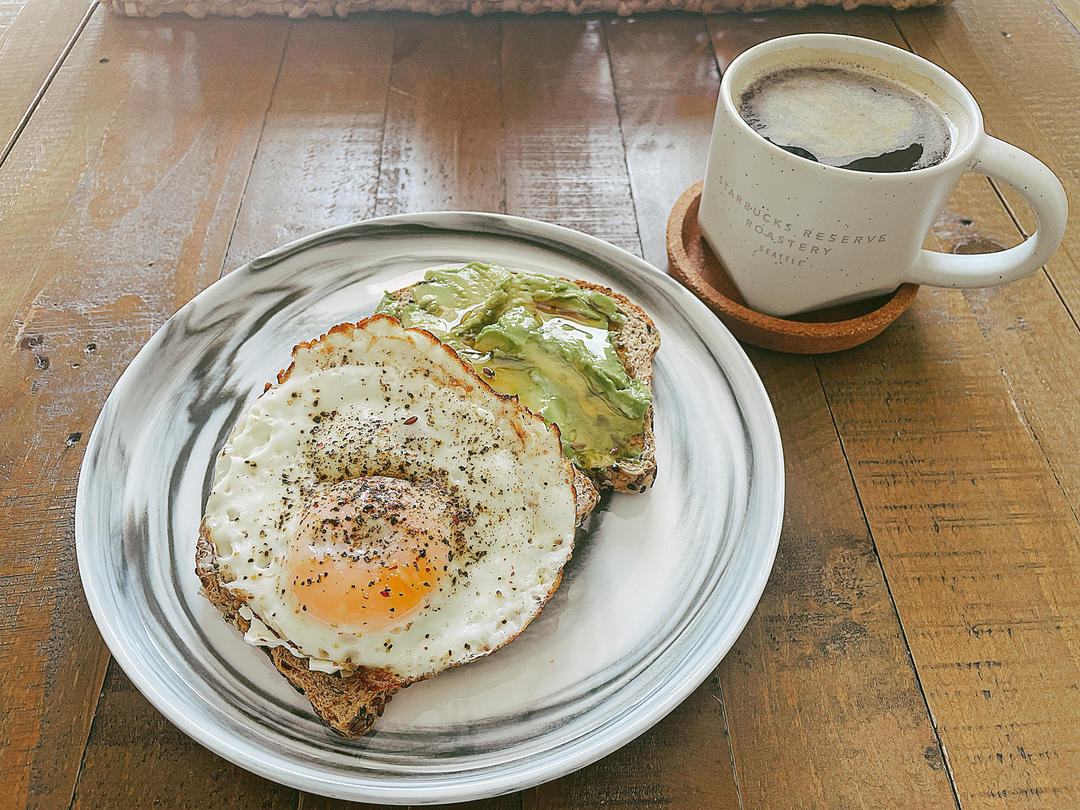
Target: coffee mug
[{"x": 797, "y": 235}]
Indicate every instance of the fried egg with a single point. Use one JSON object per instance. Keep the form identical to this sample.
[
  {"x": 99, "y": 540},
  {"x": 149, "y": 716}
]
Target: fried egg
[{"x": 381, "y": 506}]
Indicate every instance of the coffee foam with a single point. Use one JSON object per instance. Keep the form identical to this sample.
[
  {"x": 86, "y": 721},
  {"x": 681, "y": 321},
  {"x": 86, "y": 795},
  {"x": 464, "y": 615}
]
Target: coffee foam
[{"x": 847, "y": 117}]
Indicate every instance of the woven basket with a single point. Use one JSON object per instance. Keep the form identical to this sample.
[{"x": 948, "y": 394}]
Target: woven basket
[{"x": 329, "y": 8}]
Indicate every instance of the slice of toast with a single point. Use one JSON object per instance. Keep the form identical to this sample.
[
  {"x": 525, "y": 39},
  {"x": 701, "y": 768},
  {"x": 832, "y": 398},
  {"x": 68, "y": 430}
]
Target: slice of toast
[{"x": 636, "y": 343}]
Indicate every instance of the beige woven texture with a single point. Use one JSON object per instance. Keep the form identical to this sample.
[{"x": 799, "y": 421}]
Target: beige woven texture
[{"x": 341, "y": 8}]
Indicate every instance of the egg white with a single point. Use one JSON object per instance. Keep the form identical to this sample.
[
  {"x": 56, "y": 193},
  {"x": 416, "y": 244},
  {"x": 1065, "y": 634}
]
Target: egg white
[{"x": 377, "y": 399}]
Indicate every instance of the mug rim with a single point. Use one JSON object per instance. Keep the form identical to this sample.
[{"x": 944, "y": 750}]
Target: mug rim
[{"x": 904, "y": 59}]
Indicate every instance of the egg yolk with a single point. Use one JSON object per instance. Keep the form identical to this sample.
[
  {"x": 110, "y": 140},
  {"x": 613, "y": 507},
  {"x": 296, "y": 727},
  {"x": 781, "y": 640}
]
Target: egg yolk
[{"x": 367, "y": 552}]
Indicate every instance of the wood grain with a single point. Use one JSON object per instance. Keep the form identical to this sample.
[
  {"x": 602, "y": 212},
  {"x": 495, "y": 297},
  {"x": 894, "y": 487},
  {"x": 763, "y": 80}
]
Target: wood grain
[
  {"x": 33, "y": 34},
  {"x": 1009, "y": 105},
  {"x": 1033, "y": 336},
  {"x": 1071, "y": 10},
  {"x": 979, "y": 546},
  {"x": 666, "y": 112},
  {"x": 159, "y": 765},
  {"x": 973, "y": 786},
  {"x": 314, "y": 168},
  {"x": 317, "y": 164},
  {"x": 443, "y": 144},
  {"x": 118, "y": 202},
  {"x": 821, "y": 676},
  {"x": 563, "y": 146},
  {"x": 683, "y": 761},
  {"x": 1000, "y": 673},
  {"x": 9, "y": 10},
  {"x": 984, "y": 771}
]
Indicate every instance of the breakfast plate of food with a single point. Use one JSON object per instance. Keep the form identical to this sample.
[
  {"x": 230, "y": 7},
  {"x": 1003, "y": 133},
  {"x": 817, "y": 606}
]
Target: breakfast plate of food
[{"x": 429, "y": 508}]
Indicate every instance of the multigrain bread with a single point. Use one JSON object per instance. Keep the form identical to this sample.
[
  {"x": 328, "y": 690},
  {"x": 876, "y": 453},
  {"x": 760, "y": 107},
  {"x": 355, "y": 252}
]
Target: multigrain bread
[{"x": 636, "y": 343}]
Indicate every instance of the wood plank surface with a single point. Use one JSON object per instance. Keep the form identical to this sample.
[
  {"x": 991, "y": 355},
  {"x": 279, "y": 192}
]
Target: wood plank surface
[
  {"x": 9, "y": 10},
  {"x": 117, "y": 202},
  {"x": 932, "y": 474},
  {"x": 315, "y": 167},
  {"x": 682, "y": 761},
  {"x": 665, "y": 112},
  {"x": 563, "y": 145},
  {"x": 137, "y": 758},
  {"x": 33, "y": 35},
  {"x": 317, "y": 164},
  {"x": 821, "y": 676},
  {"x": 1031, "y": 101},
  {"x": 1032, "y": 335},
  {"x": 1071, "y": 10},
  {"x": 979, "y": 546},
  {"x": 989, "y": 765},
  {"x": 443, "y": 145}
]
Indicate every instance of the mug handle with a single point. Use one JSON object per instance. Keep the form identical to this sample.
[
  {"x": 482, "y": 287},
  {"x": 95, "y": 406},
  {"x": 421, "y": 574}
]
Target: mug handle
[{"x": 1043, "y": 192}]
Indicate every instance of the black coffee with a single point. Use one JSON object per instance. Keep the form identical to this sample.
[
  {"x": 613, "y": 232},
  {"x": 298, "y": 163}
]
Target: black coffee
[{"x": 847, "y": 118}]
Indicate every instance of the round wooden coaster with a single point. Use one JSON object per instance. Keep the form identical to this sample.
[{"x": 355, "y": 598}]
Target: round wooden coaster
[{"x": 825, "y": 330}]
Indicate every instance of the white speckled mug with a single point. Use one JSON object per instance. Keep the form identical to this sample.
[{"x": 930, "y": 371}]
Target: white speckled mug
[{"x": 797, "y": 235}]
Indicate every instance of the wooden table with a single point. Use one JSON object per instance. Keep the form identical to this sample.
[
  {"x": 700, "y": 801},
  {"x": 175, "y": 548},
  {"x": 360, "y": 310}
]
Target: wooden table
[{"x": 918, "y": 644}]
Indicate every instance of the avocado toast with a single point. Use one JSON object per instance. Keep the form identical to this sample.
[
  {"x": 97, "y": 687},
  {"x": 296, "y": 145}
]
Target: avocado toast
[{"x": 577, "y": 353}]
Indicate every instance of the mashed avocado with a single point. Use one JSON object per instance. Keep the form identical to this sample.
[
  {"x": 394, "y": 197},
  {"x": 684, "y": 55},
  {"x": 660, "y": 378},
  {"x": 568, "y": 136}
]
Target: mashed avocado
[{"x": 546, "y": 340}]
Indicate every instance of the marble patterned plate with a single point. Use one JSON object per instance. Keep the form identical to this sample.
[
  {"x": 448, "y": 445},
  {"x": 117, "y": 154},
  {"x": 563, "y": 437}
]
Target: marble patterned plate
[{"x": 659, "y": 587}]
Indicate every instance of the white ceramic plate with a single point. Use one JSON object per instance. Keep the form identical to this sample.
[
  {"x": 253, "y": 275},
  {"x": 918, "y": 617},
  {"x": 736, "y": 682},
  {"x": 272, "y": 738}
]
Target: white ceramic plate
[{"x": 659, "y": 587}]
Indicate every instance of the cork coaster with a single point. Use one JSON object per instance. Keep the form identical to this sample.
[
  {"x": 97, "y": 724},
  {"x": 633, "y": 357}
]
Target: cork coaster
[{"x": 834, "y": 329}]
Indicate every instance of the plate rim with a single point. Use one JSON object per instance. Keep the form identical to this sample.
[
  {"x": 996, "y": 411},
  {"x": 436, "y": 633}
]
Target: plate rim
[{"x": 761, "y": 425}]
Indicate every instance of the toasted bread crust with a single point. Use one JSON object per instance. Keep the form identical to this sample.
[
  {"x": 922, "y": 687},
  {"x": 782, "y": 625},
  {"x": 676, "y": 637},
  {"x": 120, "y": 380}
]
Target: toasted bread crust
[
  {"x": 636, "y": 343},
  {"x": 586, "y": 496}
]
